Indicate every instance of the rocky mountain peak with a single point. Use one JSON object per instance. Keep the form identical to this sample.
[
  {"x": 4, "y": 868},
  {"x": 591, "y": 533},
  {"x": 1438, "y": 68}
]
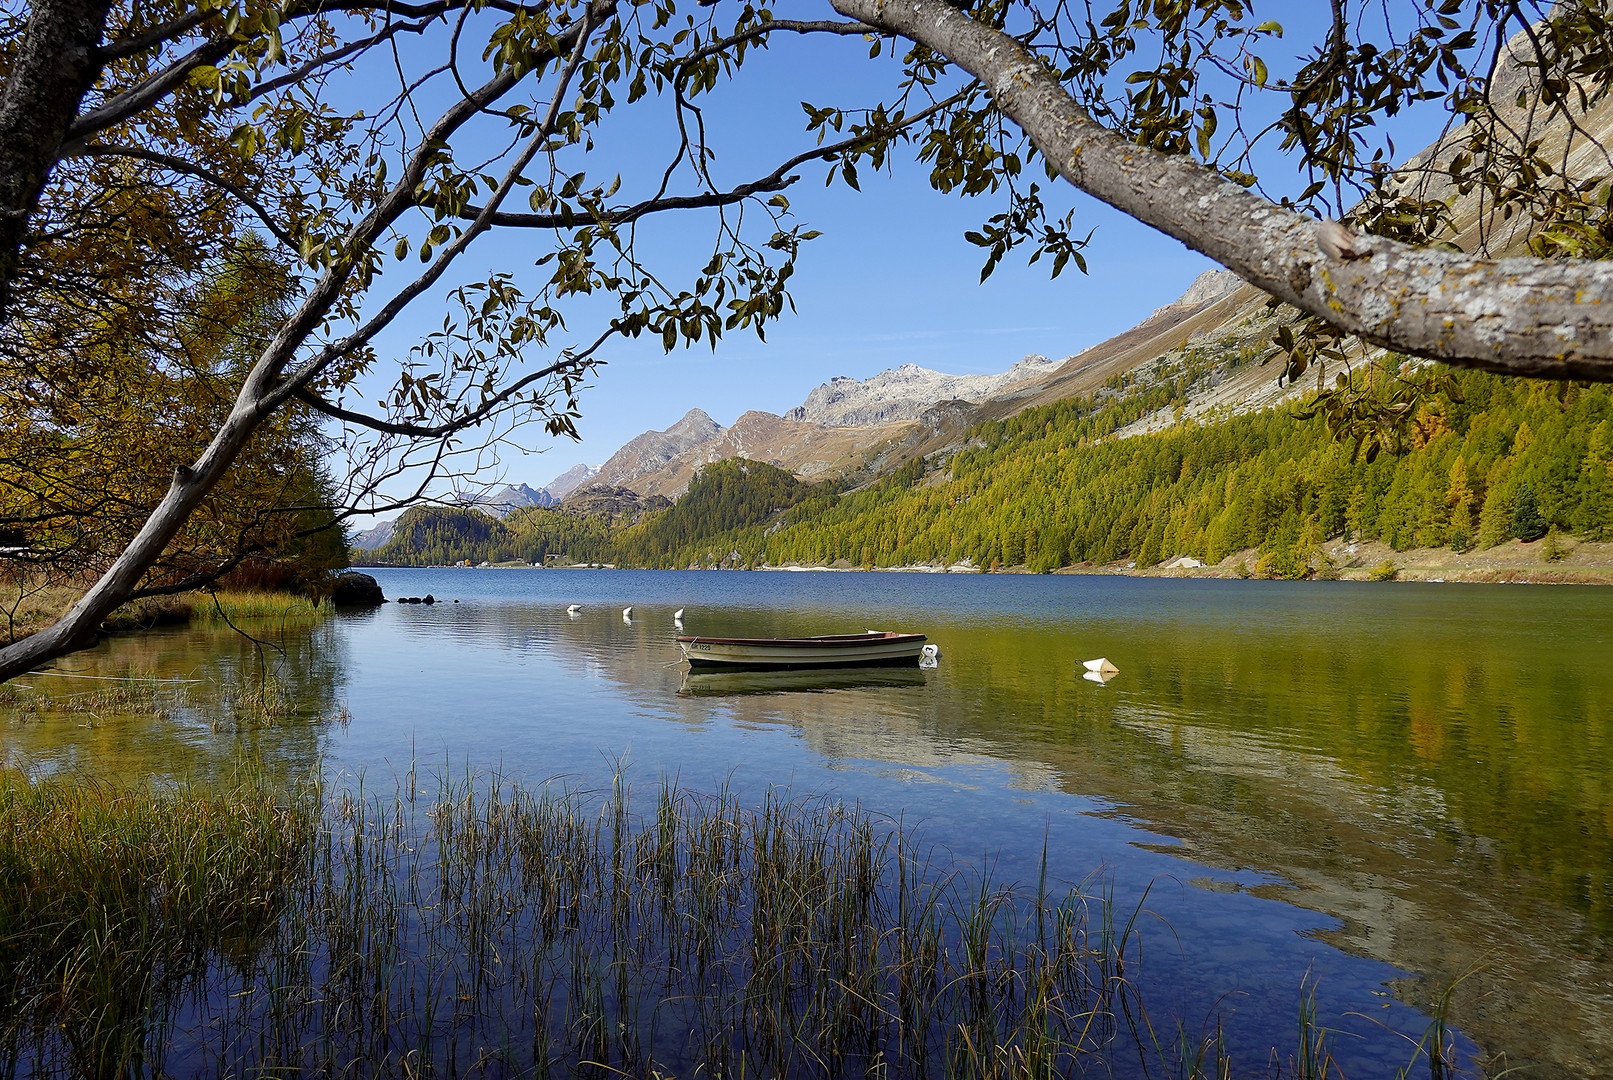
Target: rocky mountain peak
[
  {"x": 1207, "y": 288},
  {"x": 653, "y": 449},
  {"x": 695, "y": 425},
  {"x": 570, "y": 480},
  {"x": 904, "y": 393}
]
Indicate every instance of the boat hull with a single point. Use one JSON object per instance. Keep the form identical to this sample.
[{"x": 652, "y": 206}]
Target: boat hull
[{"x": 786, "y": 654}]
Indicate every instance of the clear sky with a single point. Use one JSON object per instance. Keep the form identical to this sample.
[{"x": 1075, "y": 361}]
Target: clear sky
[{"x": 890, "y": 281}]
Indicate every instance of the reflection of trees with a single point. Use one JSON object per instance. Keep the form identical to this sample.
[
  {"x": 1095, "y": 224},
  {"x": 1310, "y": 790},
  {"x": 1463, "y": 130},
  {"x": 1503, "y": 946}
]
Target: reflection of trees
[
  {"x": 1431, "y": 771},
  {"x": 1431, "y": 777},
  {"x": 218, "y": 726},
  {"x": 1432, "y": 785}
]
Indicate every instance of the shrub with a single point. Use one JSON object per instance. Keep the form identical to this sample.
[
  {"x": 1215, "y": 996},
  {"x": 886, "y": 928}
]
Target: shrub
[
  {"x": 1384, "y": 571},
  {"x": 1555, "y": 549}
]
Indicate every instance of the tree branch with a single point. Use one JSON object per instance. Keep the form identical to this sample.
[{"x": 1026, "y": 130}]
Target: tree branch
[
  {"x": 1518, "y": 316},
  {"x": 54, "y": 67},
  {"x": 180, "y": 165},
  {"x": 777, "y": 180}
]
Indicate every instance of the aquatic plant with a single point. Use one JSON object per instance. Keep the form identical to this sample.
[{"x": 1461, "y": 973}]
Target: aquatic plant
[
  {"x": 112, "y": 901},
  {"x": 501, "y": 931}
]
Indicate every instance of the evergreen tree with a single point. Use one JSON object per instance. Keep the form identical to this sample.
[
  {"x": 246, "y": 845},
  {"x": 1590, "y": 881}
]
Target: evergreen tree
[{"x": 1527, "y": 524}]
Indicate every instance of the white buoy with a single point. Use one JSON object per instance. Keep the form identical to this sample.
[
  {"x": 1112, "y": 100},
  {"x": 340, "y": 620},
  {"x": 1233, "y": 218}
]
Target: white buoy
[
  {"x": 573, "y": 609},
  {"x": 929, "y": 656},
  {"x": 1101, "y": 666},
  {"x": 677, "y": 616}
]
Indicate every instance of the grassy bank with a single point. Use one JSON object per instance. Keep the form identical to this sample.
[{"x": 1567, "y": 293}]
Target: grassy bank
[
  {"x": 496, "y": 931},
  {"x": 27, "y": 609}
]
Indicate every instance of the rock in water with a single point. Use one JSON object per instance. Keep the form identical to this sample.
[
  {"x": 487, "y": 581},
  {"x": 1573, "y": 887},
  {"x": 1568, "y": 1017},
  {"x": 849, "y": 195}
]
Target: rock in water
[{"x": 355, "y": 590}]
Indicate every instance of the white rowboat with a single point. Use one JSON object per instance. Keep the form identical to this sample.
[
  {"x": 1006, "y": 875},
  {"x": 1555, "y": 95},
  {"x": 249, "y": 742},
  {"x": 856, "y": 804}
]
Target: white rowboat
[{"x": 831, "y": 650}]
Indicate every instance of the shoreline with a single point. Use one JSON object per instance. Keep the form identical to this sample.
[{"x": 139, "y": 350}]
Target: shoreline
[{"x": 1579, "y": 562}]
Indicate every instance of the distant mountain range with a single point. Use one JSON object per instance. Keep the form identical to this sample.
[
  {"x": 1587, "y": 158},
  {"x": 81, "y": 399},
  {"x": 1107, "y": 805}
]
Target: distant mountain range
[
  {"x": 861, "y": 427},
  {"x": 496, "y": 501}
]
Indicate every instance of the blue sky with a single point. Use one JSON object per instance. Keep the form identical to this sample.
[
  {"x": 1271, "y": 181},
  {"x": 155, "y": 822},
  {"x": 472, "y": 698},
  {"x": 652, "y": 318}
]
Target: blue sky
[{"x": 890, "y": 281}]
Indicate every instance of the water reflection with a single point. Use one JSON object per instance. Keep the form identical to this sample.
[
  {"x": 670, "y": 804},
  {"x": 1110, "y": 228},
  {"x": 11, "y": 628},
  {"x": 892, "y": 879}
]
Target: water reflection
[
  {"x": 736, "y": 683},
  {"x": 203, "y": 679},
  {"x": 1425, "y": 767}
]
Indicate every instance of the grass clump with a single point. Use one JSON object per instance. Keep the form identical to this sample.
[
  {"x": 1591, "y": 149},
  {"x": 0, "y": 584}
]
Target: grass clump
[
  {"x": 26, "y": 607},
  {"x": 140, "y": 695},
  {"x": 237, "y": 605},
  {"x": 111, "y": 898},
  {"x": 504, "y": 932}
]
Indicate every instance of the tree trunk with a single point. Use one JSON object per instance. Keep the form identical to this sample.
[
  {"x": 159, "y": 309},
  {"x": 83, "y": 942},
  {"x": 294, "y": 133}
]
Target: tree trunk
[
  {"x": 1519, "y": 316},
  {"x": 56, "y": 64},
  {"x": 78, "y": 628}
]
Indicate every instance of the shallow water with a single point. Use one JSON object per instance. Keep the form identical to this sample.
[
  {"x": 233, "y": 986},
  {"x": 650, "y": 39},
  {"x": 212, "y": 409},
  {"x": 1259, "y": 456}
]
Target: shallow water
[{"x": 1392, "y": 787}]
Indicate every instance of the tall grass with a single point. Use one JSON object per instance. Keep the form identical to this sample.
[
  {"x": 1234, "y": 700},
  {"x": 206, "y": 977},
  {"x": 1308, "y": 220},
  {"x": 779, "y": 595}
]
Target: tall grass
[
  {"x": 237, "y": 605},
  {"x": 112, "y": 900},
  {"x": 139, "y": 695},
  {"x": 26, "y": 607},
  {"x": 503, "y": 932}
]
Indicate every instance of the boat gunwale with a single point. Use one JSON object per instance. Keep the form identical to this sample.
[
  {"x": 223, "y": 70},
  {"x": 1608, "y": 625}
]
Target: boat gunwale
[{"x": 827, "y": 641}]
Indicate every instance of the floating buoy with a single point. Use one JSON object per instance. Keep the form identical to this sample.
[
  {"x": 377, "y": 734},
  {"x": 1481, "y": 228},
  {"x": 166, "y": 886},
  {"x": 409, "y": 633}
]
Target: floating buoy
[
  {"x": 930, "y": 656},
  {"x": 677, "y": 616},
  {"x": 573, "y": 609},
  {"x": 1101, "y": 666}
]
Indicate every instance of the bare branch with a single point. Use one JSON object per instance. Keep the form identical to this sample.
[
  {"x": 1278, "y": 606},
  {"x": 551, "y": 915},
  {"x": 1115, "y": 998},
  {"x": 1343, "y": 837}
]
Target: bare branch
[{"x": 777, "y": 180}]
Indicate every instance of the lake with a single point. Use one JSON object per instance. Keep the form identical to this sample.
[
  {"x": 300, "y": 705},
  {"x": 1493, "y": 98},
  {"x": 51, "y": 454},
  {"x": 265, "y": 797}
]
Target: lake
[{"x": 1391, "y": 793}]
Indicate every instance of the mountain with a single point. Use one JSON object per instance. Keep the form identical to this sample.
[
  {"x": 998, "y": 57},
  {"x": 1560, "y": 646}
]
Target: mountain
[
  {"x": 811, "y": 451},
  {"x": 501, "y": 501},
  {"x": 374, "y": 537},
  {"x": 903, "y": 393},
  {"x": 653, "y": 449},
  {"x": 570, "y": 480}
]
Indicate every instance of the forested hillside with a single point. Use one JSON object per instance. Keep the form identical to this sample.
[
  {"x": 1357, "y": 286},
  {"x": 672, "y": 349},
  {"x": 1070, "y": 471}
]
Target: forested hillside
[
  {"x": 438, "y": 536},
  {"x": 1484, "y": 460},
  {"x": 723, "y": 519},
  {"x": 1479, "y": 461}
]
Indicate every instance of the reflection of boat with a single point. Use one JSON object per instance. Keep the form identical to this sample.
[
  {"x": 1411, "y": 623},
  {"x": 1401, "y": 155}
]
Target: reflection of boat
[
  {"x": 708, "y": 683},
  {"x": 830, "y": 650}
]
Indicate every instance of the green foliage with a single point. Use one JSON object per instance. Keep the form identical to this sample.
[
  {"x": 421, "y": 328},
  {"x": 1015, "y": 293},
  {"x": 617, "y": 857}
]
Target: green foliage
[
  {"x": 719, "y": 521},
  {"x": 1053, "y": 486},
  {"x": 86, "y": 453},
  {"x": 1384, "y": 571},
  {"x": 1527, "y": 524},
  {"x": 439, "y": 535}
]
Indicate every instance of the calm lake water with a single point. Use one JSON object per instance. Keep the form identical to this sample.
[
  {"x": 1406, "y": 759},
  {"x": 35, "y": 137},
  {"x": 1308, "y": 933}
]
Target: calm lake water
[{"x": 1384, "y": 791}]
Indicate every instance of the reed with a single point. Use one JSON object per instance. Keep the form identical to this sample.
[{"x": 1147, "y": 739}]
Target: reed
[
  {"x": 255, "y": 604},
  {"x": 113, "y": 900},
  {"x": 505, "y": 932},
  {"x": 138, "y": 695},
  {"x": 28, "y": 606}
]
